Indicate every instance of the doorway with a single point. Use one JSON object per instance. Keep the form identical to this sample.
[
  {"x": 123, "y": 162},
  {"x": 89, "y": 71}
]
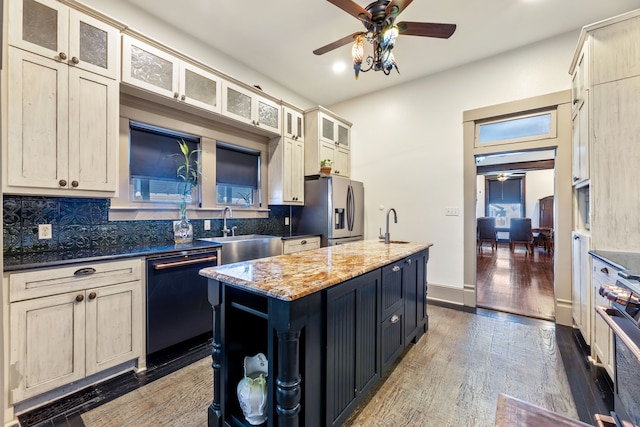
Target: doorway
[
  {"x": 560, "y": 139},
  {"x": 516, "y": 278}
]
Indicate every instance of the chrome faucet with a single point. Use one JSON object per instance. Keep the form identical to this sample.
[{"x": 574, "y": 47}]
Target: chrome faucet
[
  {"x": 233, "y": 230},
  {"x": 387, "y": 237},
  {"x": 225, "y": 229}
]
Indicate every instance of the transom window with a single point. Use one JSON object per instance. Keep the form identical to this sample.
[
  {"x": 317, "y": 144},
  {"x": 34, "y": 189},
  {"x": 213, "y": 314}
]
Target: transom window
[{"x": 521, "y": 128}]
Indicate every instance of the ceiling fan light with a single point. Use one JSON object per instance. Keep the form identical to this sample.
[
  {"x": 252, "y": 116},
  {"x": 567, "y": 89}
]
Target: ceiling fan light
[
  {"x": 389, "y": 37},
  {"x": 357, "y": 52}
]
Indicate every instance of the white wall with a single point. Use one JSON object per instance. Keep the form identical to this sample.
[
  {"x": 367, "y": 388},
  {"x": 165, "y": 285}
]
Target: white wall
[
  {"x": 408, "y": 143},
  {"x": 539, "y": 184}
]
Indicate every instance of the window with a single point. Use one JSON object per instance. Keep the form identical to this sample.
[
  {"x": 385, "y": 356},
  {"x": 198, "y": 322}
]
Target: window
[
  {"x": 237, "y": 175},
  {"x": 153, "y": 164},
  {"x": 505, "y": 200},
  {"x": 516, "y": 129}
]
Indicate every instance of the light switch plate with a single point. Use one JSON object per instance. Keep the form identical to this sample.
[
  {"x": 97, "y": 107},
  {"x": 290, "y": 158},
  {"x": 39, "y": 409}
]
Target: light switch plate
[
  {"x": 44, "y": 231},
  {"x": 207, "y": 224},
  {"x": 452, "y": 211}
]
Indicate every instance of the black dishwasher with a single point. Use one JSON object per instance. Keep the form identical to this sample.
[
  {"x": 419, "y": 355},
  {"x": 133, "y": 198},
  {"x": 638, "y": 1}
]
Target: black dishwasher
[{"x": 177, "y": 305}]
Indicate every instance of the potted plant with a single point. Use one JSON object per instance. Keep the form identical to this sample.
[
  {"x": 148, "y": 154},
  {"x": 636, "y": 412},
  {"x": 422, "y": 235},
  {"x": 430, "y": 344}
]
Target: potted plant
[
  {"x": 188, "y": 170},
  {"x": 325, "y": 167}
]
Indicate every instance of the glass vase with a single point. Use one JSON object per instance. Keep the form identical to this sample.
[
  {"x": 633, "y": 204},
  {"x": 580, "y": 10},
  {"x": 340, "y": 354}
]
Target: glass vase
[{"x": 183, "y": 231}]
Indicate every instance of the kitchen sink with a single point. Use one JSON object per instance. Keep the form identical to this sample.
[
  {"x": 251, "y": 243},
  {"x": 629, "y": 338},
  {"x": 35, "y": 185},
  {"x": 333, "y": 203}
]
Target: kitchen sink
[
  {"x": 246, "y": 247},
  {"x": 401, "y": 242}
]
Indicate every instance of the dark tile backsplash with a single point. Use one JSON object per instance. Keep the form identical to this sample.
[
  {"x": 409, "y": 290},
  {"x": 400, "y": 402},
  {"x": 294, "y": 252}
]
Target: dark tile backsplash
[{"x": 83, "y": 225}]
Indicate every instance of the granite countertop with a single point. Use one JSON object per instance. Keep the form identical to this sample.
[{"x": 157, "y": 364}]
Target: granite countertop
[
  {"x": 627, "y": 262},
  {"x": 58, "y": 258},
  {"x": 290, "y": 277}
]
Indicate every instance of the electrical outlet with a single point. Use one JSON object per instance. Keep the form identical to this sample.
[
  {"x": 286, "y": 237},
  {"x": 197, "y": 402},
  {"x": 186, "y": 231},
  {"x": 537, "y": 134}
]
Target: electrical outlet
[
  {"x": 452, "y": 211},
  {"x": 286, "y": 220},
  {"x": 207, "y": 224},
  {"x": 44, "y": 231}
]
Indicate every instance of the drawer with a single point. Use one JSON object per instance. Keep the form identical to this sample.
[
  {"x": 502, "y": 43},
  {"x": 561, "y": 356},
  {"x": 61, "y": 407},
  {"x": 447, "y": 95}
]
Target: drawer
[
  {"x": 392, "y": 334},
  {"x": 58, "y": 280},
  {"x": 292, "y": 246},
  {"x": 603, "y": 273}
]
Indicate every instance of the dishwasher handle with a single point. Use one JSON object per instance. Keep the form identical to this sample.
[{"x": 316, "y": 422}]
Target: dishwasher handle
[{"x": 173, "y": 264}]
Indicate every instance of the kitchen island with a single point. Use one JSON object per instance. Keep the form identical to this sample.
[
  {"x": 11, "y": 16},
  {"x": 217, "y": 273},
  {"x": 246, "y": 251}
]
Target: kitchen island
[{"x": 330, "y": 321}]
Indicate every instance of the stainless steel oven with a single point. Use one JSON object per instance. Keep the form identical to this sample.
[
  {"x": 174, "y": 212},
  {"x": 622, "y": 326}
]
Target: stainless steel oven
[
  {"x": 177, "y": 305},
  {"x": 623, "y": 317}
]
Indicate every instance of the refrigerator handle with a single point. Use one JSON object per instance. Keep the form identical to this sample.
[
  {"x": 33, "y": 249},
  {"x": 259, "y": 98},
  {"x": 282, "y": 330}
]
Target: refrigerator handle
[{"x": 350, "y": 205}]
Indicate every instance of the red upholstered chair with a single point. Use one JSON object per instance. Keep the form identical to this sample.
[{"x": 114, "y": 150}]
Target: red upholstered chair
[{"x": 487, "y": 232}]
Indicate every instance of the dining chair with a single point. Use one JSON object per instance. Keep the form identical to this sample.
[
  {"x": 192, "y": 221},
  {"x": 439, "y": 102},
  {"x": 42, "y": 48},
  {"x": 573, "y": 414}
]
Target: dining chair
[
  {"x": 486, "y": 227},
  {"x": 520, "y": 232}
]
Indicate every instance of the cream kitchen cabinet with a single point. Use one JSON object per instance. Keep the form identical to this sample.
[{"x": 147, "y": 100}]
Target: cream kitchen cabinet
[
  {"x": 602, "y": 341},
  {"x": 53, "y": 30},
  {"x": 291, "y": 246},
  {"x": 327, "y": 136},
  {"x": 72, "y": 322},
  {"x": 63, "y": 101},
  {"x": 249, "y": 107},
  {"x": 581, "y": 284},
  {"x": 580, "y": 117},
  {"x": 62, "y": 129},
  {"x": 286, "y": 161},
  {"x": 156, "y": 70}
]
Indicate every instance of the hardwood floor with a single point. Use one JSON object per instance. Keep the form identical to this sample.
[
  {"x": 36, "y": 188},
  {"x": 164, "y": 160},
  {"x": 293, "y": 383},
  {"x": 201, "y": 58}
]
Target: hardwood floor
[
  {"x": 517, "y": 282},
  {"x": 451, "y": 377}
]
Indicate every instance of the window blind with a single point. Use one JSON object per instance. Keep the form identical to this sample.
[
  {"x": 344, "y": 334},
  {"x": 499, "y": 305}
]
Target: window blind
[{"x": 235, "y": 167}]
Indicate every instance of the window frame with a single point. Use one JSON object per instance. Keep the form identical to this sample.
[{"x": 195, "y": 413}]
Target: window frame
[
  {"x": 553, "y": 127},
  {"x": 133, "y": 109}
]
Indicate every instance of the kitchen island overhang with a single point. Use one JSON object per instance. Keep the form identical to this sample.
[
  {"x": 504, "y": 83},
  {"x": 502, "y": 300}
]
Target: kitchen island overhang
[{"x": 330, "y": 321}]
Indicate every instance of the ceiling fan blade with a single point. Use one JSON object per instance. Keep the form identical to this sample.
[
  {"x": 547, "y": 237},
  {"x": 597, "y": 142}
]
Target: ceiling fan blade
[
  {"x": 396, "y": 6},
  {"x": 426, "y": 29},
  {"x": 352, "y": 8},
  {"x": 336, "y": 44}
]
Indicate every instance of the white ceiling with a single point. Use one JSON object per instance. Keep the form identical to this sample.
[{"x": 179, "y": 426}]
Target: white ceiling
[{"x": 277, "y": 37}]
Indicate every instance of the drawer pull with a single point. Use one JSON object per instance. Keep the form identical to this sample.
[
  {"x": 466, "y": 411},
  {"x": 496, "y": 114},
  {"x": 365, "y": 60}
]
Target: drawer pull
[
  {"x": 408, "y": 261},
  {"x": 303, "y": 242},
  {"x": 604, "y": 270},
  {"x": 92, "y": 295},
  {"x": 394, "y": 318},
  {"x": 84, "y": 271},
  {"x": 79, "y": 298},
  {"x": 395, "y": 268}
]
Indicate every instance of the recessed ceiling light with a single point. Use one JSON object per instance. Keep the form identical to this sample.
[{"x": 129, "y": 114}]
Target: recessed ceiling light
[{"x": 339, "y": 67}]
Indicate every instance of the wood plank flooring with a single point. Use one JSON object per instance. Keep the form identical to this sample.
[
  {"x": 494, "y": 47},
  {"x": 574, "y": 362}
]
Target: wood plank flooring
[
  {"x": 451, "y": 377},
  {"x": 518, "y": 282}
]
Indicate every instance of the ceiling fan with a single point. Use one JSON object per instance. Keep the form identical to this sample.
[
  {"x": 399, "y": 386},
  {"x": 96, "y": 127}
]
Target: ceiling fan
[{"x": 381, "y": 31}]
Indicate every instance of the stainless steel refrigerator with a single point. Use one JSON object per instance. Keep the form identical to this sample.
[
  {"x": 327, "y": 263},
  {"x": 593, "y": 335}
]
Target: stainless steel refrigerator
[{"x": 333, "y": 207}]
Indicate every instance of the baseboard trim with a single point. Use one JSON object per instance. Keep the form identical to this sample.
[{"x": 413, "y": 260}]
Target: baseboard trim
[
  {"x": 564, "y": 312},
  {"x": 443, "y": 293}
]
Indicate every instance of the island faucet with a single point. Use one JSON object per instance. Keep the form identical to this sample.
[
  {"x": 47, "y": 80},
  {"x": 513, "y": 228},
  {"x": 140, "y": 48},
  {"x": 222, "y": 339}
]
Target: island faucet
[
  {"x": 387, "y": 238},
  {"x": 225, "y": 229}
]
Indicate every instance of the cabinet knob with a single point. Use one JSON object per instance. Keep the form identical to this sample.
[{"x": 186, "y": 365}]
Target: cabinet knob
[
  {"x": 395, "y": 268},
  {"x": 338, "y": 172},
  {"x": 63, "y": 183},
  {"x": 62, "y": 55},
  {"x": 92, "y": 295},
  {"x": 575, "y": 101},
  {"x": 75, "y": 60},
  {"x": 576, "y": 178},
  {"x": 605, "y": 270},
  {"x": 75, "y": 184},
  {"x": 394, "y": 318},
  {"x": 183, "y": 97},
  {"x": 79, "y": 298},
  {"x": 576, "y": 237},
  {"x": 176, "y": 95},
  {"x": 408, "y": 261}
]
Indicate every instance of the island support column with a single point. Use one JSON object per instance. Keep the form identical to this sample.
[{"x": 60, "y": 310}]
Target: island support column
[{"x": 215, "y": 299}]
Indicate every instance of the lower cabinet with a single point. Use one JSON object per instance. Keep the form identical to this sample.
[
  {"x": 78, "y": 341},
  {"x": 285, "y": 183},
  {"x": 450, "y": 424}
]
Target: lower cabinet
[
  {"x": 414, "y": 282},
  {"x": 352, "y": 345},
  {"x": 64, "y": 337},
  {"x": 581, "y": 284},
  {"x": 601, "y": 338}
]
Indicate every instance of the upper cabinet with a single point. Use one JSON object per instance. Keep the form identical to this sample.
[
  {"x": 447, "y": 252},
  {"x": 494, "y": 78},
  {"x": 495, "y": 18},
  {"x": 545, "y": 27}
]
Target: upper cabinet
[
  {"x": 327, "y": 136},
  {"x": 55, "y": 31},
  {"x": 158, "y": 71},
  {"x": 62, "y": 102},
  {"x": 249, "y": 107},
  {"x": 286, "y": 161},
  {"x": 293, "y": 123}
]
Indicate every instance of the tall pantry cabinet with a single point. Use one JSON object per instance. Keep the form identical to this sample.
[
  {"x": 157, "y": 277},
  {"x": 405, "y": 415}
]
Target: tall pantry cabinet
[{"x": 606, "y": 152}]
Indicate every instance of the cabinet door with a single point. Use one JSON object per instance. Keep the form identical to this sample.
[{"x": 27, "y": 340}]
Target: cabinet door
[
  {"x": 41, "y": 27},
  {"x": 391, "y": 339},
  {"x": 287, "y": 170},
  {"x": 238, "y": 103},
  {"x": 581, "y": 141},
  {"x": 149, "y": 68},
  {"x": 297, "y": 172},
  {"x": 37, "y": 120},
  {"x": 47, "y": 343},
  {"x": 327, "y": 129},
  {"x": 327, "y": 151},
  {"x": 93, "y": 131},
  {"x": 200, "y": 88},
  {"x": 114, "y": 325},
  {"x": 581, "y": 285},
  {"x": 93, "y": 45},
  {"x": 293, "y": 124},
  {"x": 352, "y": 345},
  {"x": 344, "y": 137},
  {"x": 341, "y": 162},
  {"x": 391, "y": 292},
  {"x": 268, "y": 115}
]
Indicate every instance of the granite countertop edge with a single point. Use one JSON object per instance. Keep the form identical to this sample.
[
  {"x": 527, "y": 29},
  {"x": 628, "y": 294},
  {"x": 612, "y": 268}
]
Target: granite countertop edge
[{"x": 291, "y": 277}]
